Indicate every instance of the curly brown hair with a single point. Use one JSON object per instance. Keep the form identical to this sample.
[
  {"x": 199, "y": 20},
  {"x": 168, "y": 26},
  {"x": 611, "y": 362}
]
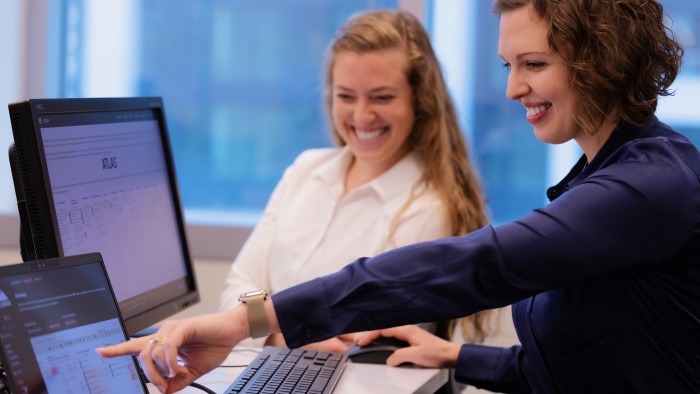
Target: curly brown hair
[
  {"x": 620, "y": 54},
  {"x": 436, "y": 135}
]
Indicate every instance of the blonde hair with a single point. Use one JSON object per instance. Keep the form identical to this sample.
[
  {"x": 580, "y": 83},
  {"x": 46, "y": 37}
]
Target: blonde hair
[{"x": 436, "y": 135}]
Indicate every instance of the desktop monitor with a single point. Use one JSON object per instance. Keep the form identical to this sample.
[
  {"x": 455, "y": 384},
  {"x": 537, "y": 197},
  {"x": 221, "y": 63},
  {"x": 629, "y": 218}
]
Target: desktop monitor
[{"x": 97, "y": 175}]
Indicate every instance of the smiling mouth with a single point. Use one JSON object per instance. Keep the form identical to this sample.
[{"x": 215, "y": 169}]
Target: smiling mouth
[
  {"x": 363, "y": 135},
  {"x": 534, "y": 111}
]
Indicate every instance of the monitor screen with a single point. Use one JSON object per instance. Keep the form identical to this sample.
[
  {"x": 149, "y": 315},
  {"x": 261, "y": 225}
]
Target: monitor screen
[
  {"x": 97, "y": 175},
  {"x": 55, "y": 312}
]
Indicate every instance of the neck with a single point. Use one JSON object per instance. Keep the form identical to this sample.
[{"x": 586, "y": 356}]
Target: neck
[
  {"x": 361, "y": 172},
  {"x": 591, "y": 144}
]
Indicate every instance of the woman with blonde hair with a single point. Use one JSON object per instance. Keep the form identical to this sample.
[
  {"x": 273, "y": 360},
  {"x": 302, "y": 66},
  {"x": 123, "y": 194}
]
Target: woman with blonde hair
[{"x": 400, "y": 174}]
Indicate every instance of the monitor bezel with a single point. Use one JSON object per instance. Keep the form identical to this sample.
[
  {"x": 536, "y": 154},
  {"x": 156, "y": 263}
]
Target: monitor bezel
[
  {"x": 36, "y": 206},
  {"x": 44, "y": 265}
]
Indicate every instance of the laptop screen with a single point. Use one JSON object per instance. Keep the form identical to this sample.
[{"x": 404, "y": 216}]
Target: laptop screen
[{"x": 54, "y": 313}]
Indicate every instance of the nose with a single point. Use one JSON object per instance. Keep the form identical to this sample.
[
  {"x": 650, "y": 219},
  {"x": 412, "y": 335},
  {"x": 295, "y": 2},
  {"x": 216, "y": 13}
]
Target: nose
[
  {"x": 364, "y": 112},
  {"x": 517, "y": 86}
]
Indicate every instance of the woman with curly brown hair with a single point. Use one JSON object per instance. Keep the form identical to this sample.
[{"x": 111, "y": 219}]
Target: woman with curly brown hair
[{"x": 603, "y": 280}]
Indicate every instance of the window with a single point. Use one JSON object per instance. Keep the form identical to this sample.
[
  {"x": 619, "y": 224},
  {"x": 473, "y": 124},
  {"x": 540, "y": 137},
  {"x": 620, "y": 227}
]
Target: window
[
  {"x": 681, "y": 111},
  {"x": 241, "y": 82},
  {"x": 9, "y": 92},
  {"x": 242, "y": 85}
]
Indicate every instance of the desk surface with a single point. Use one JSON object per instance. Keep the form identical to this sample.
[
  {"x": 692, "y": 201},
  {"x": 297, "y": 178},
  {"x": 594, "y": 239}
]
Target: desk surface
[{"x": 357, "y": 378}]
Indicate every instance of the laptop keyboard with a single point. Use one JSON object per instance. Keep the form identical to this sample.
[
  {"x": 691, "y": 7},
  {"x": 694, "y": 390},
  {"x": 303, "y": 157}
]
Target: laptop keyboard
[{"x": 282, "y": 370}]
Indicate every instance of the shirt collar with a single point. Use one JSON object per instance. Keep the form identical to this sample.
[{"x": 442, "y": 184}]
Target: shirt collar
[
  {"x": 623, "y": 133},
  {"x": 393, "y": 182}
]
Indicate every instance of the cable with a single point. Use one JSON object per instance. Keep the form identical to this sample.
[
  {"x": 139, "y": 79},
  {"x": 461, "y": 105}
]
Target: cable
[
  {"x": 203, "y": 388},
  {"x": 256, "y": 351},
  {"x": 193, "y": 384},
  {"x": 233, "y": 366}
]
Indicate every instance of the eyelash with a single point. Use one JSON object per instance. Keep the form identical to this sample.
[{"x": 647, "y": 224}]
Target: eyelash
[
  {"x": 530, "y": 65},
  {"x": 383, "y": 98},
  {"x": 534, "y": 65}
]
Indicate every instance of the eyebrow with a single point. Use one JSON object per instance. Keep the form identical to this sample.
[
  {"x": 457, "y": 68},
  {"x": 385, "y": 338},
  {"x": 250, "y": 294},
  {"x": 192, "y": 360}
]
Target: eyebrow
[
  {"x": 521, "y": 55},
  {"x": 378, "y": 89}
]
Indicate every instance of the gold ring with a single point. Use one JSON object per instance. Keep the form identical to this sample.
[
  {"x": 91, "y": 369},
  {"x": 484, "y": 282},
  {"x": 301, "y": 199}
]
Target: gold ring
[{"x": 158, "y": 341}]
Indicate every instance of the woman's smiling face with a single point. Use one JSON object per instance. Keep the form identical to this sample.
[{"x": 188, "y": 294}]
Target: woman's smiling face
[
  {"x": 537, "y": 78},
  {"x": 372, "y": 105}
]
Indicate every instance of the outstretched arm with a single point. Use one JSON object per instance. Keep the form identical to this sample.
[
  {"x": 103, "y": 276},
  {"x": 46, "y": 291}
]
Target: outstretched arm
[{"x": 201, "y": 343}]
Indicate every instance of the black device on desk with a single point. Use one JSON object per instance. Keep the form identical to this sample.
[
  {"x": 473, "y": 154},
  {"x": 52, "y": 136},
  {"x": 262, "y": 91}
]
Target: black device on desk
[
  {"x": 54, "y": 313},
  {"x": 376, "y": 352}
]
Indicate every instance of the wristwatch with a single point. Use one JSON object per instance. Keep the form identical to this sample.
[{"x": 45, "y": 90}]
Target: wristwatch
[{"x": 257, "y": 318}]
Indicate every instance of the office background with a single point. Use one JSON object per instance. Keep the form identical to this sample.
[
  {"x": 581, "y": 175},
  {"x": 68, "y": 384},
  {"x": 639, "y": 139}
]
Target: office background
[{"x": 242, "y": 86}]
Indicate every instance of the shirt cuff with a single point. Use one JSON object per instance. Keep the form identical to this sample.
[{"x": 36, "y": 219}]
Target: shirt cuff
[
  {"x": 303, "y": 314},
  {"x": 491, "y": 368}
]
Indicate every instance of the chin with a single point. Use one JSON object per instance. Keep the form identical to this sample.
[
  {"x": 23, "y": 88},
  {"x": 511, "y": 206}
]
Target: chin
[{"x": 548, "y": 138}]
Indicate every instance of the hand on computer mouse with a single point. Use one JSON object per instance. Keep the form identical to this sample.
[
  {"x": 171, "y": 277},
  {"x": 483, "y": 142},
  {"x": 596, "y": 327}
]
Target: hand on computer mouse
[
  {"x": 375, "y": 352},
  {"x": 425, "y": 350}
]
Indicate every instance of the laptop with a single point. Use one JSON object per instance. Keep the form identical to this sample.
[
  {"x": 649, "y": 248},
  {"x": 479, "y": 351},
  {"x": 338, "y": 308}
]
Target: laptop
[{"x": 54, "y": 313}]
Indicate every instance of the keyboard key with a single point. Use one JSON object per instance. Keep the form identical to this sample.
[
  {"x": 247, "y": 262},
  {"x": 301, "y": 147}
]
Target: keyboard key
[{"x": 280, "y": 370}]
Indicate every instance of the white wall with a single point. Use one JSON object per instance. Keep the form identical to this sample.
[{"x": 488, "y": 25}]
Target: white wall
[{"x": 9, "y": 256}]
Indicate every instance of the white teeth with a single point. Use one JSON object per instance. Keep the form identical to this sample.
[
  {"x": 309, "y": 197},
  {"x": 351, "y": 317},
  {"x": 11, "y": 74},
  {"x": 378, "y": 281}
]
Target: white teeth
[
  {"x": 368, "y": 135},
  {"x": 532, "y": 111}
]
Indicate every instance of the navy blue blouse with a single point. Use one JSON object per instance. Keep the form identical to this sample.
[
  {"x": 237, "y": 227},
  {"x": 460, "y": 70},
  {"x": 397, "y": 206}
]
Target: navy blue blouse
[{"x": 604, "y": 280}]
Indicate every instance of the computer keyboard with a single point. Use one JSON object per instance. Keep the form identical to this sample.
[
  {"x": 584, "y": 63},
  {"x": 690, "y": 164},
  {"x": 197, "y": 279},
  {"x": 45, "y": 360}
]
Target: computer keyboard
[{"x": 282, "y": 370}]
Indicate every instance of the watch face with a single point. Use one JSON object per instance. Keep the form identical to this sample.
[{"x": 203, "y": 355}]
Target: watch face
[{"x": 257, "y": 293}]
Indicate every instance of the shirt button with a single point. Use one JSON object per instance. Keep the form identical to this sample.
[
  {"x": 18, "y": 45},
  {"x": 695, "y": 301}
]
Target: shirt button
[{"x": 309, "y": 333}]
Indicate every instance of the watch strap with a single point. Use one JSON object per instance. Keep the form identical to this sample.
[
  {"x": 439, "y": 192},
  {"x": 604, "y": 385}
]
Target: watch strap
[{"x": 257, "y": 318}]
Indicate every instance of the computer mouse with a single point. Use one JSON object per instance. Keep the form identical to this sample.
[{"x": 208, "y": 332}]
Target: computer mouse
[{"x": 376, "y": 352}]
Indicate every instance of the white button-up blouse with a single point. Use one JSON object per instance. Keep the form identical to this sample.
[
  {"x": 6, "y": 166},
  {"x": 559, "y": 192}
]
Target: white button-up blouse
[{"x": 309, "y": 228}]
